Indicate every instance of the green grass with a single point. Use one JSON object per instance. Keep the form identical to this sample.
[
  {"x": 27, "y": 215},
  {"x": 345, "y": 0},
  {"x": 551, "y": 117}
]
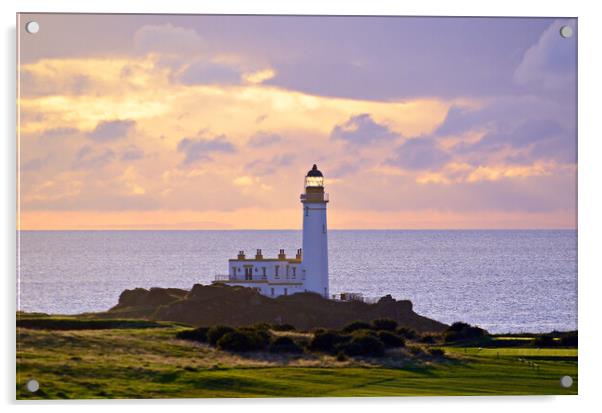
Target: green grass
[{"x": 151, "y": 363}]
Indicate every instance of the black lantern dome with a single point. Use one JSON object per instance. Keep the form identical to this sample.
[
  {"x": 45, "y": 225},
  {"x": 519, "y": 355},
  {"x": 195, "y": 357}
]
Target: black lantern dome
[
  {"x": 315, "y": 172},
  {"x": 314, "y": 178}
]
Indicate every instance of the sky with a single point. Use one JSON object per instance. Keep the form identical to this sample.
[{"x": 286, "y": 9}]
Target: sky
[{"x": 212, "y": 122}]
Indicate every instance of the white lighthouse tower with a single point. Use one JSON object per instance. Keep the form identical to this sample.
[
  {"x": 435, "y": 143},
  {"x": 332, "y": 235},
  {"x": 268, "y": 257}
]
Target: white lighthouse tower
[
  {"x": 315, "y": 241},
  {"x": 307, "y": 270}
]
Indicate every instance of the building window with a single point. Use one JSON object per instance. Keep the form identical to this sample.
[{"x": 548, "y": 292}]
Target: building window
[
  {"x": 286, "y": 291},
  {"x": 287, "y": 271},
  {"x": 324, "y": 228},
  {"x": 294, "y": 272},
  {"x": 263, "y": 272},
  {"x": 248, "y": 273},
  {"x": 272, "y": 291},
  {"x": 276, "y": 268}
]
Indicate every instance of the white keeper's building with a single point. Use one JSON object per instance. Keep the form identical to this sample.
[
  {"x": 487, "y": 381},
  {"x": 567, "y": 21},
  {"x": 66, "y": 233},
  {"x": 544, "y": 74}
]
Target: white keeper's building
[{"x": 307, "y": 270}]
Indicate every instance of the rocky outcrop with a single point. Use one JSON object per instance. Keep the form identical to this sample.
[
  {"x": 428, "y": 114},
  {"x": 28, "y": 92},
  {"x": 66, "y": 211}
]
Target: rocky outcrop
[{"x": 239, "y": 306}]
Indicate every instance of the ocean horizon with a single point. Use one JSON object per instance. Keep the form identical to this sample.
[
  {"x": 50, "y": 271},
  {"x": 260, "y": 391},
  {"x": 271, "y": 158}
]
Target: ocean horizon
[{"x": 502, "y": 280}]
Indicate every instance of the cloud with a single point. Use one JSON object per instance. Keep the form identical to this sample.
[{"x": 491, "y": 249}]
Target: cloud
[
  {"x": 34, "y": 164},
  {"x": 132, "y": 153},
  {"x": 201, "y": 72},
  {"x": 108, "y": 130},
  {"x": 55, "y": 133},
  {"x": 550, "y": 64},
  {"x": 168, "y": 39},
  {"x": 361, "y": 130},
  {"x": 88, "y": 157},
  {"x": 263, "y": 139},
  {"x": 200, "y": 149},
  {"x": 419, "y": 154},
  {"x": 264, "y": 167}
]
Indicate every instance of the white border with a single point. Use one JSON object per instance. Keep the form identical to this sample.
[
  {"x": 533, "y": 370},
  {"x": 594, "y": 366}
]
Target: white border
[{"x": 590, "y": 198}]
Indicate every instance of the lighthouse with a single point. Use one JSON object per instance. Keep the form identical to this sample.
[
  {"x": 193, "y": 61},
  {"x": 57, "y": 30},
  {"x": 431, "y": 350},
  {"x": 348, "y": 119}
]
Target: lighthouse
[
  {"x": 307, "y": 270},
  {"x": 315, "y": 233}
]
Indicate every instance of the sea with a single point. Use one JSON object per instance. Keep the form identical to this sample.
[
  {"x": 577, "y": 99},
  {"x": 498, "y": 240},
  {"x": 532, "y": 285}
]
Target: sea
[{"x": 505, "y": 281}]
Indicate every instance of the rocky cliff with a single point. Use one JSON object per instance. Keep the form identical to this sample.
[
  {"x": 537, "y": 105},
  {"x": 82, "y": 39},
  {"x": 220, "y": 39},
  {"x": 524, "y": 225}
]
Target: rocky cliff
[{"x": 238, "y": 306}]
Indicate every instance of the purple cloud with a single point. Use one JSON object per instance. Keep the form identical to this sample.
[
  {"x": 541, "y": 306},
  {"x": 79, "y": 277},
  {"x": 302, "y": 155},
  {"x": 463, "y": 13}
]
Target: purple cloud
[
  {"x": 551, "y": 63},
  {"x": 58, "y": 133},
  {"x": 262, "y": 139},
  {"x": 419, "y": 154},
  {"x": 361, "y": 130},
  {"x": 264, "y": 167},
  {"x": 201, "y": 72},
  {"x": 109, "y": 130},
  {"x": 200, "y": 149},
  {"x": 132, "y": 153},
  {"x": 88, "y": 158}
]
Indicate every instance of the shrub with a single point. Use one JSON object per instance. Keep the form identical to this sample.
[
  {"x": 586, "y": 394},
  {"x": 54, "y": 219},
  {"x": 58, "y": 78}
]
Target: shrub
[
  {"x": 428, "y": 339},
  {"x": 384, "y": 324},
  {"x": 437, "y": 352},
  {"x": 415, "y": 350},
  {"x": 285, "y": 345},
  {"x": 365, "y": 345},
  {"x": 241, "y": 341},
  {"x": 198, "y": 334},
  {"x": 569, "y": 339},
  {"x": 283, "y": 327},
  {"x": 544, "y": 340},
  {"x": 216, "y": 332},
  {"x": 391, "y": 340},
  {"x": 459, "y": 331},
  {"x": 406, "y": 333},
  {"x": 260, "y": 327},
  {"x": 357, "y": 325},
  {"x": 262, "y": 335},
  {"x": 327, "y": 342},
  {"x": 341, "y": 356}
]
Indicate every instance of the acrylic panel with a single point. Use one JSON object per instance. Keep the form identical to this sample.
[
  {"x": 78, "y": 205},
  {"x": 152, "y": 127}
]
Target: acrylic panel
[{"x": 293, "y": 206}]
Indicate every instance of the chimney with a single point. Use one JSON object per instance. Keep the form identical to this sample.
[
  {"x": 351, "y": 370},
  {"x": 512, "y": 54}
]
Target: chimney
[
  {"x": 258, "y": 255},
  {"x": 241, "y": 255},
  {"x": 299, "y": 254},
  {"x": 282, "y": 255}
]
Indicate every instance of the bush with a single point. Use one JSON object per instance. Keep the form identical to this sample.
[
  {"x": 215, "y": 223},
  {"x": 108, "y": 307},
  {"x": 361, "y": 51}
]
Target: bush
[
  {"x": 216, "y": 332},
  {"x": 365, "y": 345},
  {"x": 384, "y": 324},
  {"x": 198, "y": 334},
  {"x": 328, "y": 341},
  {"x": 427, "y": 339},
  {"x": 241, "y": 341},
  {"x": 406, "y": 333},
  {"x": 545, "y": 340},
  {"x": 437, "y": 352},
  {"x": 569, "y": 339},
  {"x": 283, "y": 327},
  {"x": 341, "y": 356},
  {"x": 391, "y": 340},
  {"x": 357, "y": 325},
  {"x": 285, "y": 345},
  {"x": 262, "y": 335},
  {"x": 260, "y": 327},
  {"x": 459, "y": 331}
]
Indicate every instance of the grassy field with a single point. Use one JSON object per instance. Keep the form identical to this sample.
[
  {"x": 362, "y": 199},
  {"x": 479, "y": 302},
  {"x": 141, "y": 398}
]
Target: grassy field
[{"x": 148, "y": 362}]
